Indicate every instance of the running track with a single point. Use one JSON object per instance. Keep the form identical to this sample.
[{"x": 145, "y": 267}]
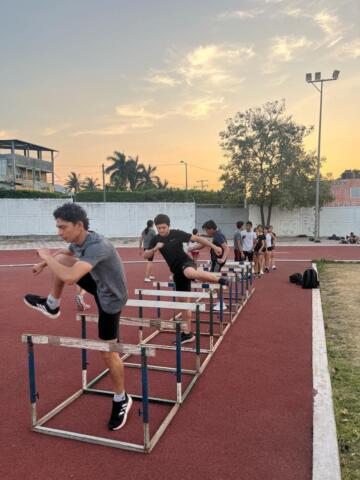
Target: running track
[{"x": 249, "y": 417}]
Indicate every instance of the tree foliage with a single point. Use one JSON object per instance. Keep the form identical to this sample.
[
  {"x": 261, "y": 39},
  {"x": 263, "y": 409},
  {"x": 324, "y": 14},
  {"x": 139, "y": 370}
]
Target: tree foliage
[
  {"x": 90, "y": 184},
  {"x": 126, "y": 173},
  {"x": 349, "y": 174},
  {"x": 73, "y": 183},
  {"x": 267, "y": 163}
]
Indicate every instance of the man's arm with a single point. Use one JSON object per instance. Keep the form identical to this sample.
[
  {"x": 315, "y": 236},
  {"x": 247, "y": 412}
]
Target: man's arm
[
  {"x": 150, "y": 253},
  {"x": 39, "y": 267},
  {"x": 239, "y": 246},
  {"x": 206, "y": 243},
  {"x": 68, "y": 275},
  {"x": 225, "y": 251}
]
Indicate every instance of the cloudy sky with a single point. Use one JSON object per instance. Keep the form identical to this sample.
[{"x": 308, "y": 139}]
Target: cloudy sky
[{"x": 158, "y": 78}]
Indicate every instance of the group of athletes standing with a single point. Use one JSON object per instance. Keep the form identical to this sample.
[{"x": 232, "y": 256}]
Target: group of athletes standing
[{"x": 250, "y": 244}]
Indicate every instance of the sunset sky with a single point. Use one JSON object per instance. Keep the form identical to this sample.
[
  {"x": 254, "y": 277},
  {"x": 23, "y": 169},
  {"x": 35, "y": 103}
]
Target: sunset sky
[{"x": 158, "y": 78}]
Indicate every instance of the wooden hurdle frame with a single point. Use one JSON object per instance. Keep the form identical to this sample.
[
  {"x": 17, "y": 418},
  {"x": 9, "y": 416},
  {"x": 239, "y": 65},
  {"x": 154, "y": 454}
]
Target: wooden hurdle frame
[{"x": 37, "y": 425}]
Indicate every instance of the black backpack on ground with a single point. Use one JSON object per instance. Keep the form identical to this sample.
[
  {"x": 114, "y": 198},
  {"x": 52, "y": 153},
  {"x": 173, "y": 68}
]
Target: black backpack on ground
[
  {"x": 296, "y": 278},
  {"x": 310, "y": 279}
]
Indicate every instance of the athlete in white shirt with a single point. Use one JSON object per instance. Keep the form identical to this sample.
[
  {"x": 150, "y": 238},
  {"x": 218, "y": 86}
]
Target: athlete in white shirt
[{"x": 248, "y": 242}]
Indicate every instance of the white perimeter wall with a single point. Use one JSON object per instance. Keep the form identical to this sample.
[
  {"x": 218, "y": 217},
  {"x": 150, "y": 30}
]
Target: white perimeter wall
[
  {"x": 35, "y": 216},
  {"x": 338, "y": 220}
]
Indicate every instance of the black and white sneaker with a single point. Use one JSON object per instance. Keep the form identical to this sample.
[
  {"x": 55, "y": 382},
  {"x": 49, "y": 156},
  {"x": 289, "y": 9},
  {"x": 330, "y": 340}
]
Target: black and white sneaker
[
  {"x": 40, "y": 304},
  {"x": 119, "y": 413}
]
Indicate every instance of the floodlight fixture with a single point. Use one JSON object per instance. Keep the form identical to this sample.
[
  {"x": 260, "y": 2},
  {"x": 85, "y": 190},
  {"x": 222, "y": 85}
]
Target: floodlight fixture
[{"x": 320, "y": 80}]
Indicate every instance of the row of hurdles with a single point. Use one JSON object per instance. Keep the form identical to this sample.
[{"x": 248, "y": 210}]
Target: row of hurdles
[{"x": 210, "y": 329}]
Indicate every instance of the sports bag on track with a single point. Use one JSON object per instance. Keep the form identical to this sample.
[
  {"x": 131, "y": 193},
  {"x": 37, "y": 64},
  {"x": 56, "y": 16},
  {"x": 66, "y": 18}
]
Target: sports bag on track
[
  {"x": 310, "y": 279},
  {"x": 296, "y": 278}
]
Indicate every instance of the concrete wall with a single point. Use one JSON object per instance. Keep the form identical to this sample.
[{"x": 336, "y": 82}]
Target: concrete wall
[
  {"x": 224, "y": 216},
  {"x": 338, "y": 220},
  {"x": 34, "y": 216},
  {"x": 28, "y": 216},
  {"x": 129, "y": 219}
]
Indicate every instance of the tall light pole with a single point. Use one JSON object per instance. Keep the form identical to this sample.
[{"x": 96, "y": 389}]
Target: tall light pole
[
  {"x": 320, "y": 80},
  {"x": 186, "y": 179}
]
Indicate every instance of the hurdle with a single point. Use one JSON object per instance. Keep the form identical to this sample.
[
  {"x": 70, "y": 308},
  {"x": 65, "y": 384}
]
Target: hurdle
[
  {"x": 140, "y": 323},
  {"x": 170, "y": 325},
  {"x": 197, "y": 296},
  {"x": 203, "y": 287},
  {"x": 38, "y": 425}
]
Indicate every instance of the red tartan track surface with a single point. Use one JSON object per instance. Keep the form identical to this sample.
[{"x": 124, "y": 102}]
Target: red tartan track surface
[{"x": 249, "y": 416}]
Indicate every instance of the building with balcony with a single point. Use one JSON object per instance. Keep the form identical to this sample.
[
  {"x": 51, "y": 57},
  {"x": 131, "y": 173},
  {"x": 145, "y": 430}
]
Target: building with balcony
[{"x": 24, "y": 165}]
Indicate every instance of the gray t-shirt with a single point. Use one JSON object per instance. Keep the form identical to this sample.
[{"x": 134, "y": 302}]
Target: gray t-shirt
[
  {"x": 147, "y": 237},
  {"x": 107, "y": 272},
  {"x": 237, "y": 236}
]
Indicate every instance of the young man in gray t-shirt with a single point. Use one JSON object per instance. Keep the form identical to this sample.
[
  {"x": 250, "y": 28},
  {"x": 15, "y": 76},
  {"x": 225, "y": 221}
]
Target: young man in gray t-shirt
[
  {"x": 238, "y": 244},
  {"x": 92, "y": 262}
]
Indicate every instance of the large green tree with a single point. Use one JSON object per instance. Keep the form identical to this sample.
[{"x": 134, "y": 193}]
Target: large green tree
[{"x": 267, "y": 163}]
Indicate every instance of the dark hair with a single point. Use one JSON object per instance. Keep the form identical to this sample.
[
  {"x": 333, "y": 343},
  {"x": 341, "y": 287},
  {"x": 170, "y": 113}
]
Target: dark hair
[
  {"x": 249, "y": 223},
  {"x": 149, "y": 224},
  {"x": 71, "y": 212},
  {"x": 195, "y": 231},
  {"x": 210, "y": 225},
  {"x": 239, "y": 224},
  {"x": 162, "y": 218}
]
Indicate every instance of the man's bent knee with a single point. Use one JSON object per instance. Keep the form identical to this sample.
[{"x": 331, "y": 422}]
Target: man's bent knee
[{"x": 190, "y": 272}]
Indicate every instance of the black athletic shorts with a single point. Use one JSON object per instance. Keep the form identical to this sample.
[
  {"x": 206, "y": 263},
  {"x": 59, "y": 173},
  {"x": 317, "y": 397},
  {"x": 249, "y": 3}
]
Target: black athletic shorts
[
  {"x": 249, "y": 256},
  {"x": 151, "y": 258},
  {"x": 183, "y": 284},
  {"x": 215, "y": 266},
  {"x": 108, "y": 325},
  {"x": 269, "y": 249}
]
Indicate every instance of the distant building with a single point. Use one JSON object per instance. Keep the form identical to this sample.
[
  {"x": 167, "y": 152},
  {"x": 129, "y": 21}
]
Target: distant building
[
  {"x": 345, "y": 193},
  {"x": 24, "y": 165}
]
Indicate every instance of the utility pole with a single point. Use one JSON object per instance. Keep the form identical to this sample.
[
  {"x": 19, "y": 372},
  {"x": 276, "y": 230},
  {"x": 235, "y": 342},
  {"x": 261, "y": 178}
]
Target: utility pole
[
  {"x": 103, "y": 182},
  {"x": 186, "y": 179},
  {"x": 203, "y": 183},
  {"x": 320, "y": 80}
]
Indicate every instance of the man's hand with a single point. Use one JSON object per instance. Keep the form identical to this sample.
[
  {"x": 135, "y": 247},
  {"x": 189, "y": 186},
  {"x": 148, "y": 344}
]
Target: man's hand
[
  {"x": 44, "y": 253},
  {"x": 38, "y": 268},
  {"x": 217, "y": 250},
  {"x": 220, "y": 260}
]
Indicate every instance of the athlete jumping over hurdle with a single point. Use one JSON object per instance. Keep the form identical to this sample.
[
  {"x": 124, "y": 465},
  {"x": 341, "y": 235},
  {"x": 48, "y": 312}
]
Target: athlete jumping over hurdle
[
  {"x": 170, "y": 244},
  {"x": 91, "y": 262}
]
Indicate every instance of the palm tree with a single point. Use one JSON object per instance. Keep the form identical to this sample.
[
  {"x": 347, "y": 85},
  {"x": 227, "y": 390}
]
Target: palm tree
[
  {"x": 148, "y": 180},
  {"x": 161, "y": 185},
  {"x": 135, "y": 172},
  {"x": 73, "y": 183},
  {"x": 118, "y": 170},
  {"x": 90, "y": 184}
]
